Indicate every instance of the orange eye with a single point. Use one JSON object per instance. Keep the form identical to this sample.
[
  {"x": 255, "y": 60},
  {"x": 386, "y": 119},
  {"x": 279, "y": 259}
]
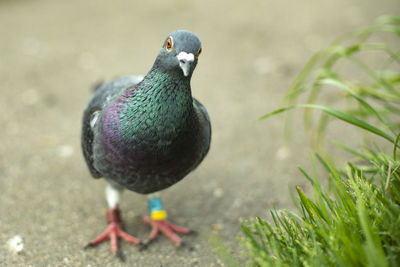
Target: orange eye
[
  {"x": 169, "y": 44},
  {"x": 199, "y": 52}
]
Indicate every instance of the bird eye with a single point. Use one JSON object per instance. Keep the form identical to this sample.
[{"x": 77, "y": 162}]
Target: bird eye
[
  {"x": 198, "y": 52},
  {"x": 169, "y": 44}
]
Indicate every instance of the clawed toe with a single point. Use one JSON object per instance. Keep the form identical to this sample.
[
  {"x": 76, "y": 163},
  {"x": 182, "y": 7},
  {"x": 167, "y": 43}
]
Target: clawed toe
[
  {"x": 169, "y": 229},
  {"x": 113, "y": 232}
]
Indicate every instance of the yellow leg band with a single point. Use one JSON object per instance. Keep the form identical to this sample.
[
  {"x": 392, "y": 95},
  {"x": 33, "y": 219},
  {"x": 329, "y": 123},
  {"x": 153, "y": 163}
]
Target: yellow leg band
[{"x": 158, "y": 215}]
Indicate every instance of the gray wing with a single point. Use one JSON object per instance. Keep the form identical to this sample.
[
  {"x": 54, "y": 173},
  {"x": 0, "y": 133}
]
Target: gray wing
[
  {"x": 104, "y": 95},
  {"x": 205, "y": 126}
]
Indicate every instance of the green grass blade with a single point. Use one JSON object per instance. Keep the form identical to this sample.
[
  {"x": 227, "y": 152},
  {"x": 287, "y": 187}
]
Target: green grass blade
[
  {"x": 350, "y": 119},
  {"x": 367, "y": 106},
  {"x": 350, "y": 150},
  {"x": 296, "y": 86},
  {"x": 383, "y": 47},
  {"x": 396, "y": 143},
  {"x": 275, "y": 112},
  {"x": 372, "y": 247},
  {"x": 338, "y": 114}
]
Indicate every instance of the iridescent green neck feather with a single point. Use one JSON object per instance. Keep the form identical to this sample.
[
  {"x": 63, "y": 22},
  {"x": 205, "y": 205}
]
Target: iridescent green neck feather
[{"x": 156, "y": 110}]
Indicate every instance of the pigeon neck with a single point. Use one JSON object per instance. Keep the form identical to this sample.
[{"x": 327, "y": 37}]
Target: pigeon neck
[
  {"x": 167, "y": 89},
  {"x": 159, "y": 107},
  {"x": 169, "y": 76}
]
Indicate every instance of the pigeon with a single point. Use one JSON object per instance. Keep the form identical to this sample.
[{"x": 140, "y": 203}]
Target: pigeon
[{"x": 145, "y": 134}]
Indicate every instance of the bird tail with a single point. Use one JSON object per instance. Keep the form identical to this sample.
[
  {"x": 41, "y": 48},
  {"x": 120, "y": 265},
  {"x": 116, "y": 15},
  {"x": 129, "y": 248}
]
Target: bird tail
[{"x": 96, "y": 86}]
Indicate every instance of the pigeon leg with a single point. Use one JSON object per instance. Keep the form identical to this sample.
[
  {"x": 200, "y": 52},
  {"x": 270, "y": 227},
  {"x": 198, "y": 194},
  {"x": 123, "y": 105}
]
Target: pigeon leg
[
  {"x": 159, "y": 223},
  {"x": 114, "y": 229}
]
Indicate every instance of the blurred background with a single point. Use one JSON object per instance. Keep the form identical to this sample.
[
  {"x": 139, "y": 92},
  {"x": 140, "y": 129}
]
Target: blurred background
[{"x": 51, "y": 52}]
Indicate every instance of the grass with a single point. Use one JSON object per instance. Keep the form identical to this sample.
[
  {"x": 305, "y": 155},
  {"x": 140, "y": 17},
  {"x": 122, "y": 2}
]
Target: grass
[
  {"x": 374, "y": 99},
  {"x": 356, "y": 220},
  {"x": 355, "y": 223}
]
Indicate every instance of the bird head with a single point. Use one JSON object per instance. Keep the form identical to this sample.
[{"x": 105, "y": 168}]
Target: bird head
[{"x": 179, "y": 53}]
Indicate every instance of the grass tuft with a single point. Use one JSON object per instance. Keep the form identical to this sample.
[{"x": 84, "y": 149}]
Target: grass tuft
[
  {"x": 355, "y": 222},
  {"x": 374, "y": 100}
]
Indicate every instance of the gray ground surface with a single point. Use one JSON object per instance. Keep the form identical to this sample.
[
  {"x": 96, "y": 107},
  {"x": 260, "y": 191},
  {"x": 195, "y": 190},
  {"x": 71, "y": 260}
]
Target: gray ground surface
[{"x": 52, "y": 51}]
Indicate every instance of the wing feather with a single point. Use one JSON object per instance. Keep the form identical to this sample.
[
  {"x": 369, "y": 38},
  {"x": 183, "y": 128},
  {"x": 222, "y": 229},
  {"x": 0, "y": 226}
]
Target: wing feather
[{"x": 104, "y": 95}]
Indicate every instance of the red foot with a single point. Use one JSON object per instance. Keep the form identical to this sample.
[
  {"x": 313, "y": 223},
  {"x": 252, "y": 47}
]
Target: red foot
[
  {"x": 113, "y": 231},
  {"x": 166, "y": 228}
]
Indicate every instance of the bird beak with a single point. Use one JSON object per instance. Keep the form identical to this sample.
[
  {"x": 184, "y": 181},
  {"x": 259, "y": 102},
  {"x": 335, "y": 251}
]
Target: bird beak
[{"x": 185, "y": 62}]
